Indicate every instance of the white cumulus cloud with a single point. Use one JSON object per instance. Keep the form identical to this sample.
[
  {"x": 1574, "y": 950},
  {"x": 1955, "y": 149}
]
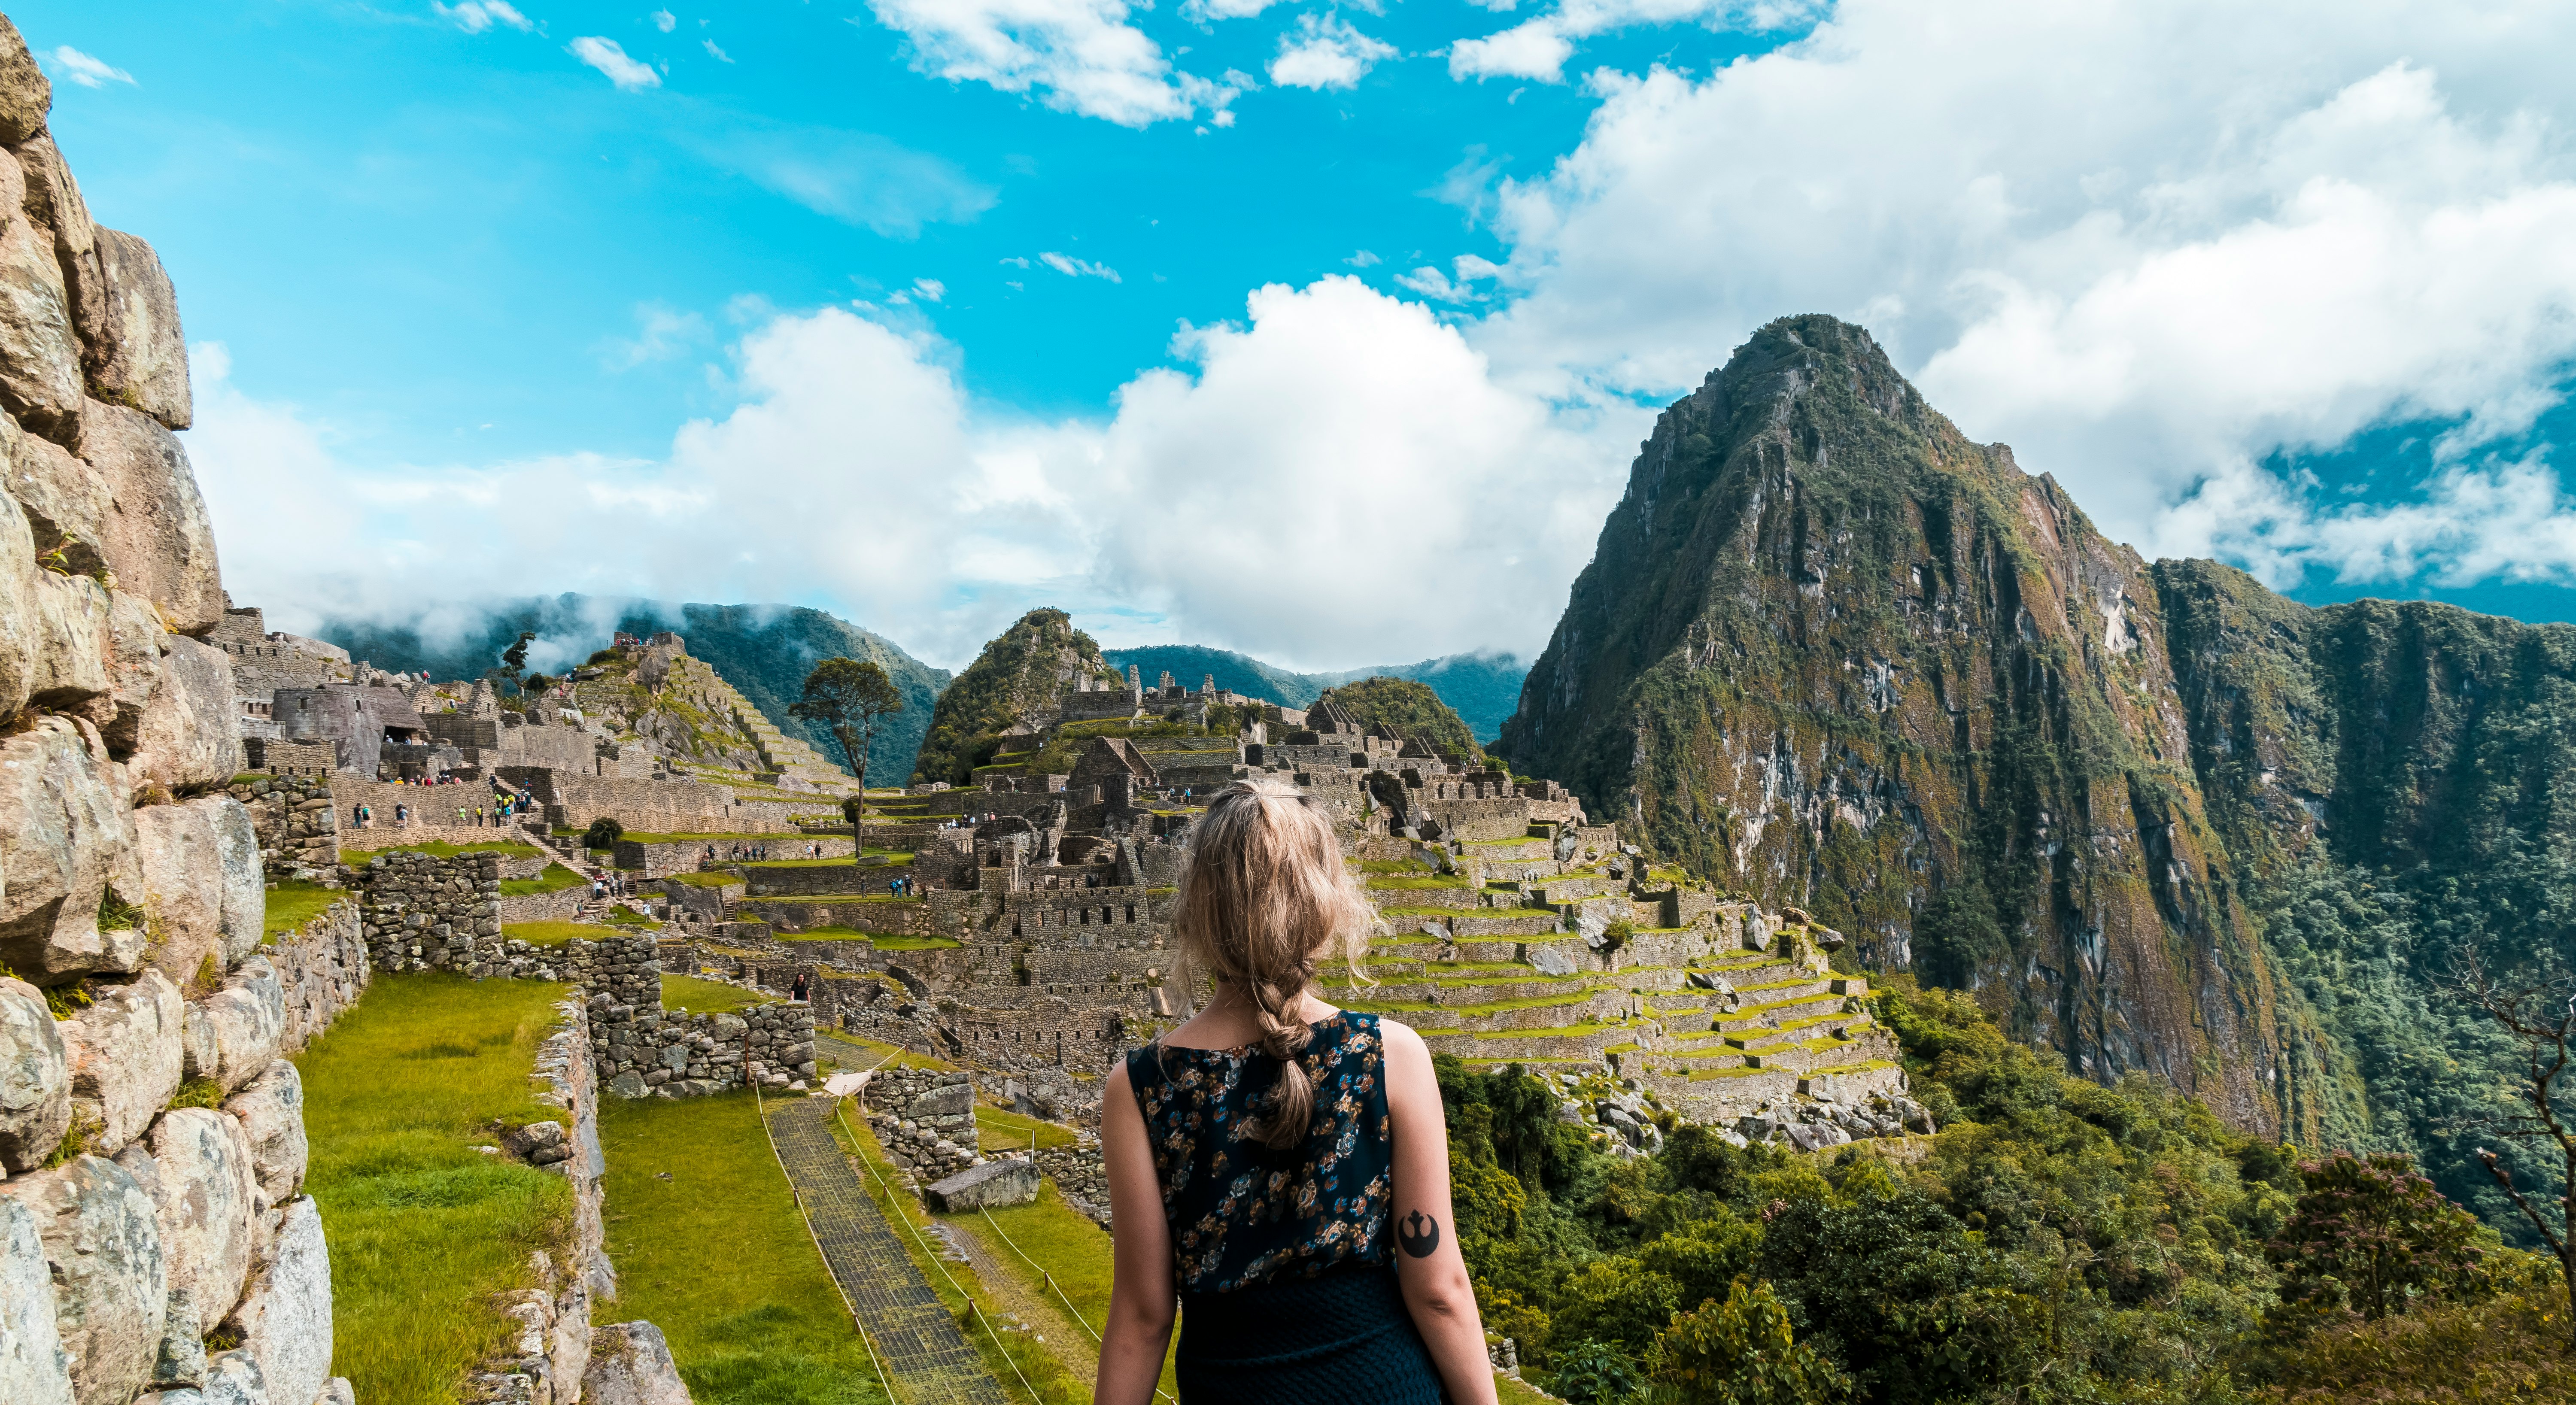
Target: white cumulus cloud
[
  {"x": 1081, "y": 56},
  {"x": 2148, "y": 244},
  {"x": 86, "y": 70},
  {"x": 664, "y": 20},
  {"x": 1325, "y": 52},
  {"x": 1538, "y": 48},
  {"x": 609, "y": 57}
]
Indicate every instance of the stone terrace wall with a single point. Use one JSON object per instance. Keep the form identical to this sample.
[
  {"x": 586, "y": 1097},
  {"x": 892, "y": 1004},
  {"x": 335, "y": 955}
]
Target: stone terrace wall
[
  {"x": 322, "y": 968},
  {"x": 426, "y": 913},
  {"x": 545, "y": 1363},
  {"x": 924, "y": 1119},
  {"x": 647, "y": 1052},
  {"x": 1080, "y": 1176},
  {"x": 651, "y": 807},
  {"x": 661, "y": 860},
  {"x": 561, "y": 905},
  {"x": 296, "y": 824}
]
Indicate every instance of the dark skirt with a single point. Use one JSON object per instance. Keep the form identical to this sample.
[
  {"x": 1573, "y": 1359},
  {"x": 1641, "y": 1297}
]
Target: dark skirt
[{"x": 1342, "y": 1336}]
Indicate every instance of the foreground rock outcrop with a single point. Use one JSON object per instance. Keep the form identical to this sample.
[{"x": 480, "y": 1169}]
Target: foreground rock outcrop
[{"x": 154, "y": 1240}]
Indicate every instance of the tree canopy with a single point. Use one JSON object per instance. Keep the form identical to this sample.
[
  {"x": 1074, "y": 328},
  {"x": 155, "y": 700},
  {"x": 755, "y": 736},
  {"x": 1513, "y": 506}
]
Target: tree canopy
[{"x": 850, "y": 697}]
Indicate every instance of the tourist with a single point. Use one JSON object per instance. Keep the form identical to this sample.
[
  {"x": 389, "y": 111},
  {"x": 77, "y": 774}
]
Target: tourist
[
  {"x": 797, "y": 991},
  {"x": 1321, "y": 1290},
  {"x": 402, "y": 815}
]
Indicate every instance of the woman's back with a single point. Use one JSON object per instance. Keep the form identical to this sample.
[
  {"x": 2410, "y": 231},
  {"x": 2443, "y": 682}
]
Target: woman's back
[{"x": 1242, "y": 1213}]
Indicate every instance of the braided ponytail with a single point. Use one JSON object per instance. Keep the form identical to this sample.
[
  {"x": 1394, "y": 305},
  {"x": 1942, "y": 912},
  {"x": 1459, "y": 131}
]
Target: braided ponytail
[{"x": 1265, "y": 897}]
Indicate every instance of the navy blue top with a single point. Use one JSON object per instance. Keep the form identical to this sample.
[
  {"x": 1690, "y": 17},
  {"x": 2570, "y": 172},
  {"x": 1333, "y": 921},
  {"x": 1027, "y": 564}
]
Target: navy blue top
[{"x": 1243, "y": 1214}]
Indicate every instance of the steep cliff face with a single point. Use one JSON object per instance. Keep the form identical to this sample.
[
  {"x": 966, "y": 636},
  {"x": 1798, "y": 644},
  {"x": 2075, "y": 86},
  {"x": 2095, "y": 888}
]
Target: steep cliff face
[
  {"x": 1832, "y": 652},
  {"x": 1013, "y": 683}
]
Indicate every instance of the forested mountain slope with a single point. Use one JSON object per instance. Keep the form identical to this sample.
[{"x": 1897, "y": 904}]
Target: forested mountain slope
[
  {"x": 2157, "y": 817},
  {"x": 764, "y": 650}
]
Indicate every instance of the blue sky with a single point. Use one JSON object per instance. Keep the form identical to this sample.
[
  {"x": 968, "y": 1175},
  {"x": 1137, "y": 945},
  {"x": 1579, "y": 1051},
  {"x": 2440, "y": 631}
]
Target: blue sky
[{"x": 930, "y": 310}]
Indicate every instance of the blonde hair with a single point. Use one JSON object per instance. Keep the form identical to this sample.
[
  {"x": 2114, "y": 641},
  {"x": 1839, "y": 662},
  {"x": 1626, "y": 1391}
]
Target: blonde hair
[{"x": 1264, "y": 898}]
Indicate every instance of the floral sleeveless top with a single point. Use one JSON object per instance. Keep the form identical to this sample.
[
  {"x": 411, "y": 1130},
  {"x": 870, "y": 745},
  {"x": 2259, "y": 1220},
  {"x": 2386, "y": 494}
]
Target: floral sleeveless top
[{"x": 1243, "y": 1214}]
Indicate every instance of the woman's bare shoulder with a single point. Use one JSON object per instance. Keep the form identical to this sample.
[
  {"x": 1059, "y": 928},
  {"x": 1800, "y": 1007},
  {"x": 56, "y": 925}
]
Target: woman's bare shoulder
[{"x": 1402, "y": 1042}]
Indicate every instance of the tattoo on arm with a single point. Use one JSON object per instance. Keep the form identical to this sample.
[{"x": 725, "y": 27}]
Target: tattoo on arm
[{"x": 1418, "y": 1235}]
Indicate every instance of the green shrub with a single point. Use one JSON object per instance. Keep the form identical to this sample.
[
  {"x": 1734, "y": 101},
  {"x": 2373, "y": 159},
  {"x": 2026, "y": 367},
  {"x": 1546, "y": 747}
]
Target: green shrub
[{"x": 603, "y": 834}]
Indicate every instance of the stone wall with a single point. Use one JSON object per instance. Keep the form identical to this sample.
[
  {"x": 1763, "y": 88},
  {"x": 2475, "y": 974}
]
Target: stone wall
[
  {"x": 546, "y": 1361},
  {"x": 322, "y": 969},
  {"x": 427, "y": 913},
  {"x": 660, "y": 860},
  {"x": 561, "y": 905},
  {"x": 924, "y": 1119},
  {"x": 296, "y": 826},
  {"x": 1080, "y": 1177},
  {"x": 652, "y": 807},
  {"x": 647, "y": 1052}
]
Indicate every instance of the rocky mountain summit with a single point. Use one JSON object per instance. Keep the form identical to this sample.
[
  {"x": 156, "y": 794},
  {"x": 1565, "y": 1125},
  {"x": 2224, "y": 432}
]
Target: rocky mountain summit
[{"x": 1832, "y": 652}]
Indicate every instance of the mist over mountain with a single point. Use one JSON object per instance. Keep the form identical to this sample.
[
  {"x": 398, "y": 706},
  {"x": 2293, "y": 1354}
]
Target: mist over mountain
[
  {"x": 1482, "y": 688},
  {"x": 764, "y": 650}
]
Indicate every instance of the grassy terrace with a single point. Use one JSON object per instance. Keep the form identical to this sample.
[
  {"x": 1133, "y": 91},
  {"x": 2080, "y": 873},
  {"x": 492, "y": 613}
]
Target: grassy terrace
[
  {"x": 882, "y": 941},
  {"x": 555, "y": 879},
  {"x": 291, "y": 905},
  {"x": 1000, "y": 1129},
  {"x": 770, "y": 1330},
  {"x": 357, "y": 858},
  {"x": 707, "y": 880},
  {"x": 554, "y": 933},
  {"x": 700, "y": 997},
  {"x": 424, "y": 1229},
  {"x": 1406, "y": 882}
]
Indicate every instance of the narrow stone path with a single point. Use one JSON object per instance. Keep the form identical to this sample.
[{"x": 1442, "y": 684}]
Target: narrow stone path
[{"x": 927, "y": 1359}]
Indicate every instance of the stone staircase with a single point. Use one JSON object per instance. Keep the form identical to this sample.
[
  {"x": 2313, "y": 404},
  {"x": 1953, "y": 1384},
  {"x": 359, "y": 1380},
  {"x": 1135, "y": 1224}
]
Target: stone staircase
[{"x": 789, "y": 757}]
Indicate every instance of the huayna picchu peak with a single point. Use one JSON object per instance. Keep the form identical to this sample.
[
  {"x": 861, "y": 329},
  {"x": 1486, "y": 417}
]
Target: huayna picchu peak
[{"x": 1833, "y": 653}]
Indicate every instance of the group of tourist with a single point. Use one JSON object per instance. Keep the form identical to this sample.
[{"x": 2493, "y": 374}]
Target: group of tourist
[{"x": 495, "y": 815}]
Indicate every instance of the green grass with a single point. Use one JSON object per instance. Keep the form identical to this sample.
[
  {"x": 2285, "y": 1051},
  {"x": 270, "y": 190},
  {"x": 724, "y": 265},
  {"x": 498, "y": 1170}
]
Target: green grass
[
  {"x": 707, "y": 880},
  {"x": 718, "y": 1257},
  {"x": 291, "y": 905},
  {"x": 424, "y": 1229},
  {"x": 799, "y": 863},
  {"x": 882, "y": 941},
  {"x": 1418, "y": 881},
  {"x": 554, "y": 933},
  {"x": 708, "y": 997},
  {"x": 1013, "y": 1356},
  {"x": 870, "y": 1053},
  {"x": 555, "y": 879},
  {"x": 508, "y": 848},
  {"x": 1066, "y": 1248},
  {"x": 633, "y": 838},
  {"x": 629, "y": 917},
  {"x": 1002, "y": 1129}
]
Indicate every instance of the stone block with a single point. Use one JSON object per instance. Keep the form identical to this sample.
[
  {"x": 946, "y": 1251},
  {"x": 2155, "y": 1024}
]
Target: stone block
[
  {"x": 66, "y": 836},
  {"x": 200, "y": 868},
  {"x": 35, "y": 1079},
  {"x": 271, "y": 1112},
  {"x": 40, "y": 362},
  {"x": 20, "y": 636},
  {"x": 285, "y": 1318},
  {"x": 235, "y": 1378},
  {"x": 205, "y": 1197},
  {"x": 158, "y": 541},
  {"x": 125, "y": 1053},
  {"x": 185, "y": 734},
  {"x": 33, "y": 1367},
  {"x": 73, "y": 630},
  {"x": 111, "y": 1287},
  {"x": 249, "y": 1020},
  {"x": 1007, "y": 1181},
  {"x": 69, "y": 503},
  {"x": 198, "y": 1052},
  {"x": 630, "y": 1364},
  {"x": 137, "y": 355}
]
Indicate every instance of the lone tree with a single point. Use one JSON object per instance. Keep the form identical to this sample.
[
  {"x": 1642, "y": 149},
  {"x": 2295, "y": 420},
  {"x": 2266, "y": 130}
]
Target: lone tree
[
  {"x": 852, "y": 697},
  {"x": 2539, "y": 1014},
  {"x": 515, "y": 658},
  {"x": 2370, "y": 1234}
]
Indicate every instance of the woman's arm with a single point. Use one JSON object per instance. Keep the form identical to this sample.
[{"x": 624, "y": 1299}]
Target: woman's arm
[
  {"x": 1426, "y": 1239},
  {"x": 1141, "y": 1300}
]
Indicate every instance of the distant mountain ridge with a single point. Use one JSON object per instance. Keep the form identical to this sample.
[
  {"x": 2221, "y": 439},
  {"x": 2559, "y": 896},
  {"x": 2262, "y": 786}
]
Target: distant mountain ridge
[
  {"x": 1482, "y": 688},
  {"x": 764, "y": 650}
]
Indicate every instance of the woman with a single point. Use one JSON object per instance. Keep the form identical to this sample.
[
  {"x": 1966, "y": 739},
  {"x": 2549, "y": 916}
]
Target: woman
[{"x": 1278, "y": 1166}]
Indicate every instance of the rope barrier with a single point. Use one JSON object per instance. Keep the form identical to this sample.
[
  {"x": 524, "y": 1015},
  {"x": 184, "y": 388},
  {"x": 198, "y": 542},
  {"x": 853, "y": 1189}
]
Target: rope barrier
[
  {"x": 761, "y": 1109},
  {"x": 1051, "y": 1286},
  {"x": 972, "y": 1309}
]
